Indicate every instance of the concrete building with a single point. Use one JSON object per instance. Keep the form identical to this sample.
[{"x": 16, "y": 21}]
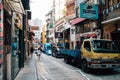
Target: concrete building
[
  {"x": 59, "y": 8},
  {"x": 69, "y": 33},
  {"x": 35, "y": 27},
  {"x": 49, "y": 26}
]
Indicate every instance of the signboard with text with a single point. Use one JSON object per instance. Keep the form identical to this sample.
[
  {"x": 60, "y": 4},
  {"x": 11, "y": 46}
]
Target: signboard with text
[
  {"x": 88, "y": 11},
  {"x": 58, "y": 34}
]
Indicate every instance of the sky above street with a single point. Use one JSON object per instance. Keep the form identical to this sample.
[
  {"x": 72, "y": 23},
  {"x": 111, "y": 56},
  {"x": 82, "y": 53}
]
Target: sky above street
[{"x": 40, "y": 8}]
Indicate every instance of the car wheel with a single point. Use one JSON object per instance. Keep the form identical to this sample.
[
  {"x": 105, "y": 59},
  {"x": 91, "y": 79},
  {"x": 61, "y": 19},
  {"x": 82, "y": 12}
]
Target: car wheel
[
  {"x": 84, "y": 66},
  {"x": 67, "y": 59}
]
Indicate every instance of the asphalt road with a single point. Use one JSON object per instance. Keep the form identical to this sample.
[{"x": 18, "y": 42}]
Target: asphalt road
[{"x": 50, "y": 68}]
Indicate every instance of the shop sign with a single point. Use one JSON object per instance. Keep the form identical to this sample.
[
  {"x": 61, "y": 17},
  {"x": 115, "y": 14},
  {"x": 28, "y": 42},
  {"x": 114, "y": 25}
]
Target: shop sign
[
  {"x": 58, "y": 34},
  {"x": 88, "y": 11}
]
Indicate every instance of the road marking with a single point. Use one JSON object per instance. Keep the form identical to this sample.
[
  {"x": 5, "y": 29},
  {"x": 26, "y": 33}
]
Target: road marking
[
  {"x": 42, "y": 71},
  {"x": 82, "y": 74},
  {"x": 42, "y": 76},
  {"x": 41, "y": 68}
]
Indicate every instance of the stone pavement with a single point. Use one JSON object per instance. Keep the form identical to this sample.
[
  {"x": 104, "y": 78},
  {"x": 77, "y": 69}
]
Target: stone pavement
[{"x": 29, "y": 71}]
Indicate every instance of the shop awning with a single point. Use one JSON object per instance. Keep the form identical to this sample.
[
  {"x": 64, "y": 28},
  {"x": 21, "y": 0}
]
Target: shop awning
[
  {"x": 16, "y": 6},
  {"x": 77, "y": 20},
  {"x": 111, "y": 20}
]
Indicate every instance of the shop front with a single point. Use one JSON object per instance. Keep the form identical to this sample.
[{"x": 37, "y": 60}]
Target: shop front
[
  {"x": 16, "y": 51},
  {"x": 85, "y": 28},
  {"x": 67, "y": 38},
  {"x": 112, "y": 31},
  {"x": 13, "y": 11}
]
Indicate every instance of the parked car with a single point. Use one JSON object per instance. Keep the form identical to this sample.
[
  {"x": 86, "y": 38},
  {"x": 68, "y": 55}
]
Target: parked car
[
  {"x": 48, "y": 48},
  {"x": 56, "y": 52}
]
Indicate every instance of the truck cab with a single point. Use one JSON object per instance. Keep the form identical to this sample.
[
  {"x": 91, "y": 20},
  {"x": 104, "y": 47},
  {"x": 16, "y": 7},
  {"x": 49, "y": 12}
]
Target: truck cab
[{"x": 99, "y": 54}]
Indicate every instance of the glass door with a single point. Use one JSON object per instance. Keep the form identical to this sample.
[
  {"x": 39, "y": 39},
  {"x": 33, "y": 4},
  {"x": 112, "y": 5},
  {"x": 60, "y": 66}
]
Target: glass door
[{"x": 15, "y": 49}]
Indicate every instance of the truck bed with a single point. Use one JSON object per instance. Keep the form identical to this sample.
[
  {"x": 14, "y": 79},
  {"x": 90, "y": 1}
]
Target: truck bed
[{"x": 72, "y": 53}]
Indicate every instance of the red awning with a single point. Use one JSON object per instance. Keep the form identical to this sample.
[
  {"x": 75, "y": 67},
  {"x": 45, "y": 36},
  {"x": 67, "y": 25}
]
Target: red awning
[{"x": 77, "y": 20}]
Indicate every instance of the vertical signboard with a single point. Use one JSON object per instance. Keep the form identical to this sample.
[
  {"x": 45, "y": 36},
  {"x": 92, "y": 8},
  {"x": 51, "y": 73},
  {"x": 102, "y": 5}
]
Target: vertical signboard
[
  {"x": 88, "y": 11},
  {"x": 1, "y": 39}
]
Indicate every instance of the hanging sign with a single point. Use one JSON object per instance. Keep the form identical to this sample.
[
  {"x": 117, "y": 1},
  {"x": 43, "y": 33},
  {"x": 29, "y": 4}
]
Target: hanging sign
[
  {"x": 58, "y": 34},
  {"x": 88, "y": 11}
]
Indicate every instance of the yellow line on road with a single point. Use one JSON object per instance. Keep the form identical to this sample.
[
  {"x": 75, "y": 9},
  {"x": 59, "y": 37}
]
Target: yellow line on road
[{"x": 41, "y": 69}]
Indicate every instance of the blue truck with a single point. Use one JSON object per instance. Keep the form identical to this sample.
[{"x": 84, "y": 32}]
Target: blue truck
[{"x": 71, "y": 55}]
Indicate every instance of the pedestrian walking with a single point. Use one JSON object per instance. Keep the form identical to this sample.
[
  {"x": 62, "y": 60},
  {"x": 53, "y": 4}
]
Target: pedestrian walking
[
  {"x": 39, "y": 52},
  {"x": 31, "y": 50}
]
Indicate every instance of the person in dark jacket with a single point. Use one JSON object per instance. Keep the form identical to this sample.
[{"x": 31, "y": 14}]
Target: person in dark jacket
[{"x": 31, "y": 50}]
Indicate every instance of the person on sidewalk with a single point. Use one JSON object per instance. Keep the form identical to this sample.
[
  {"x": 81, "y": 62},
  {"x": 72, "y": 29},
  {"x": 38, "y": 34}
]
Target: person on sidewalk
[{"x": 31, "y": 50}]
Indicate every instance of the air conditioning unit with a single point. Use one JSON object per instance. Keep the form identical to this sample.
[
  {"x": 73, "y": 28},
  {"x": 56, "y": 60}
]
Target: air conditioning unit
[
  {"x": 94, "y": 2},
  {"x": 98, "y": 2}
]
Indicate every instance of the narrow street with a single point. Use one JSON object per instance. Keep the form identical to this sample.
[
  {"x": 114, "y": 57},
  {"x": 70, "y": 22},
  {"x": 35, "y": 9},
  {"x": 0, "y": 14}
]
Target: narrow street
[{"x": 50, "y": 68}]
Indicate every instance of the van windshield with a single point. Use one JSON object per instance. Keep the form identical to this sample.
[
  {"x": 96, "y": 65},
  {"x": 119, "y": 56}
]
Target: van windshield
[{"x": 104, "y": 46}]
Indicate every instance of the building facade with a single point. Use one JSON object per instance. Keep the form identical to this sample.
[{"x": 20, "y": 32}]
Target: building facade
[
  {"x": 111, "y": 20},
  {"x": 12, "y": 28},
  {"x": 104, "y": 24}
]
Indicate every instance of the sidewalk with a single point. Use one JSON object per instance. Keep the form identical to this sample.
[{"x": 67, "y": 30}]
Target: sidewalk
[{"x": 28, "y": 72}]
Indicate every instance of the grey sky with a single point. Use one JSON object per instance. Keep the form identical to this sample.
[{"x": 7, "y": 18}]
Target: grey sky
[{"x": 40, "y": 8}]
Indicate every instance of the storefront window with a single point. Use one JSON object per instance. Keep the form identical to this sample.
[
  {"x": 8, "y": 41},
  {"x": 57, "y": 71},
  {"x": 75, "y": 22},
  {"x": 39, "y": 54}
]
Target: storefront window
[
  {"x": 77, "y": 29},
  {"x": 87, "y": 27},
  {"x": 110, "y": 3}
]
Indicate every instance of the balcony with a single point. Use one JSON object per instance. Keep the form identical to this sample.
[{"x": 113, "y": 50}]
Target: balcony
[{"x": 69, "y": 2}]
